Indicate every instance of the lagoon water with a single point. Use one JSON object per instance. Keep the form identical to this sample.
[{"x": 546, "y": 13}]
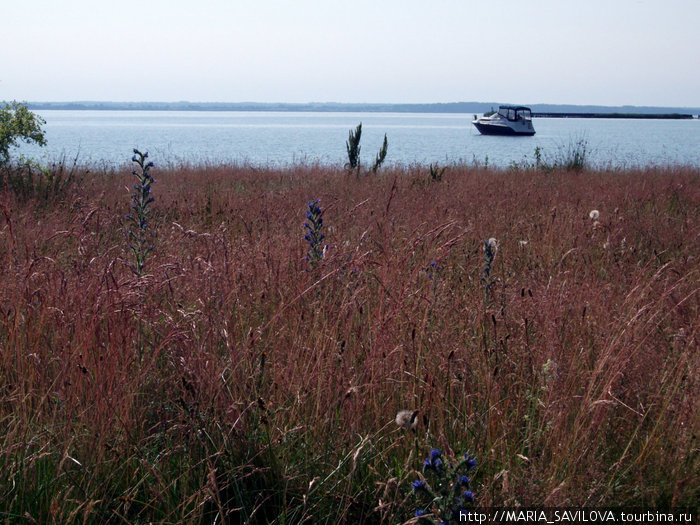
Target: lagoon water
[{"x": 284, "y": 138}]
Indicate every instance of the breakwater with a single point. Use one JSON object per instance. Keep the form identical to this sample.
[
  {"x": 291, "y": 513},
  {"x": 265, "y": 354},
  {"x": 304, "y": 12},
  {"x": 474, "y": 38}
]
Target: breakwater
[{"x": 668, "y": 116}]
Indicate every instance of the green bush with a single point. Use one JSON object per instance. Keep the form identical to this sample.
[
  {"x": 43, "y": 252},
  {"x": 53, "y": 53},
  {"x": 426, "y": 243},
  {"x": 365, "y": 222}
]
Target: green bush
[{"x": 17, "y": 123}]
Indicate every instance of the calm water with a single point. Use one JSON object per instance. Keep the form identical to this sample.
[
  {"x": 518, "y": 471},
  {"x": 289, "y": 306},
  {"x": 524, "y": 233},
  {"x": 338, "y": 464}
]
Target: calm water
[{"x": 281, "y": 138}]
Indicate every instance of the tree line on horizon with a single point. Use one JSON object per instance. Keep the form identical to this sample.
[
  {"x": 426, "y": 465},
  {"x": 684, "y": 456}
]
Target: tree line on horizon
[{"x": 438, "y": 107}]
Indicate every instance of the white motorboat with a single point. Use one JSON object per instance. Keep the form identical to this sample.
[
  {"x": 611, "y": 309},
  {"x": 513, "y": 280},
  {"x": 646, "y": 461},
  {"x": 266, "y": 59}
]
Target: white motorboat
[{"x": 509, "y": 120}]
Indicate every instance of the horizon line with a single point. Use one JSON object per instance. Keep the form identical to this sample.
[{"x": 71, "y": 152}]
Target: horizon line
[{"x": 340, "y": 104}]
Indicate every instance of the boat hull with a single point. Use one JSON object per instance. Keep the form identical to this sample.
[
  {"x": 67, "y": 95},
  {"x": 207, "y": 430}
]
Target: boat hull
[{"x": 497, "y": 129}]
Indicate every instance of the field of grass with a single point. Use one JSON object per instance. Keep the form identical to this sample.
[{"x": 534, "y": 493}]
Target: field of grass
[{"x": 234, "y": 381}]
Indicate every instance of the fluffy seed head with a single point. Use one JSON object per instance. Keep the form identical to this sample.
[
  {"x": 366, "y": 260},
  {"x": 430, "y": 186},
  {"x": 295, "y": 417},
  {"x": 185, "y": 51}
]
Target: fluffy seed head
[
  {"x": 493, "y": 244},
  {"x": 407, "y": 419}
]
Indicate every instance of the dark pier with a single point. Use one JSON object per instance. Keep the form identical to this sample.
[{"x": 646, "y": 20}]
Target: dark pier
[{"x": 669, "y": 116}]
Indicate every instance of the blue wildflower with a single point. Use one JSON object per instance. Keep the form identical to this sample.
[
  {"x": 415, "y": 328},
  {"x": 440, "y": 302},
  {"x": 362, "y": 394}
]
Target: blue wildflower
[
  {"x": 419, "y": 484},
  {"x": 141, "y": 198},
  {"x": 434, "y": 461},
  {"x": 314, "y": 236},
  {"x": 449, "y": 491},
  {"x": 420, "y": 512},
  {"x": 471, "y": 461}
]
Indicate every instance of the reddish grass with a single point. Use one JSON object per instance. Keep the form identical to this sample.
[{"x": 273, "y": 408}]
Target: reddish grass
[{"x": 230, "y": 376}]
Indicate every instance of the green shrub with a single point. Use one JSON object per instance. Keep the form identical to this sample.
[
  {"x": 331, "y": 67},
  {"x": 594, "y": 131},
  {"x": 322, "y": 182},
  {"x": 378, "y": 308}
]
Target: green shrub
[{"x": 17, "y": 123}]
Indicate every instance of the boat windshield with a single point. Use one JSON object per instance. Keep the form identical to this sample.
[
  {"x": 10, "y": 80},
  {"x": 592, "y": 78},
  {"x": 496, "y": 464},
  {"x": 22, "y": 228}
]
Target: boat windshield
[
  {"x": 515, "y": 113},
  {"x": 525, "y": 114},
  {"x": 505, "y": 113}
]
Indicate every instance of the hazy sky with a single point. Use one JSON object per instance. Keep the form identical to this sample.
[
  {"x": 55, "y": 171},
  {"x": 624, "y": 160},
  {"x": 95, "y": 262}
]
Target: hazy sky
[{"x": 609, "y": 52}]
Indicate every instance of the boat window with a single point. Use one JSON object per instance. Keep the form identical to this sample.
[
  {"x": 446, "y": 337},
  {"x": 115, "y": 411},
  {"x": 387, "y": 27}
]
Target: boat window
[
  {"x": 503, "y": 111},
  {"x": 525, "y": 113},
  {"x": 511, "y": 114}
]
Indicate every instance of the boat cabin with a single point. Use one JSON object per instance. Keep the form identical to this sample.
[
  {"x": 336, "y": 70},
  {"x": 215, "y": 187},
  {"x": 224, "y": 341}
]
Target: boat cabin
[{"x": 515, "y": 113}]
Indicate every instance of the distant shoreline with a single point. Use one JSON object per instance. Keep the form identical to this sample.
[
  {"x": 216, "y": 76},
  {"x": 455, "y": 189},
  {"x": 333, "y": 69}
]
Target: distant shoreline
[{"x": 541, "y": 110}]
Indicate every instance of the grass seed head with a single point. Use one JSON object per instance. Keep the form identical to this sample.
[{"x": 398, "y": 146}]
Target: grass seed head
[{"x": 407, "y": 419}]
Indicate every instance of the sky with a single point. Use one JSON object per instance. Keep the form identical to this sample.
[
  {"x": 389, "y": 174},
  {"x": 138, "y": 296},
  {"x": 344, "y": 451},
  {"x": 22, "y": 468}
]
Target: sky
[{"x": 603, "y": 52}]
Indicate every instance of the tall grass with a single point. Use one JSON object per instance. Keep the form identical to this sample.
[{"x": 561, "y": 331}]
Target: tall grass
[{"x": 266, "y": 393}]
